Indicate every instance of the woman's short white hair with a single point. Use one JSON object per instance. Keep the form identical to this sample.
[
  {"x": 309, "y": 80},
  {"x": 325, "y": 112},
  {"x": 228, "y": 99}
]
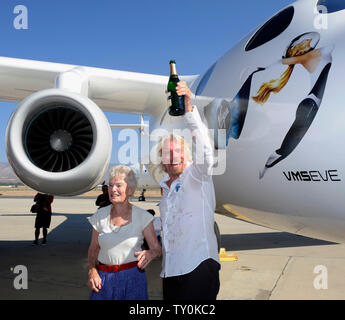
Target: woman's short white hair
[
  {"x": 127, "y": 173},
  {"x": 180, "y": 141}
]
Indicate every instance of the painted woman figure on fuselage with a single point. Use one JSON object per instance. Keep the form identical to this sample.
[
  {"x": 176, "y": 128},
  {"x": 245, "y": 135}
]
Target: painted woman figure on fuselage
[
  {"x": 318, "y": 63},
  {"x": 231, "y": 115}
]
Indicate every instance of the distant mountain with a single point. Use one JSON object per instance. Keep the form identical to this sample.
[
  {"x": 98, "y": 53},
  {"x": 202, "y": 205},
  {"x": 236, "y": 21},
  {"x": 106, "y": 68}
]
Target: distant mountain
[{"x": 7, "y": 175}]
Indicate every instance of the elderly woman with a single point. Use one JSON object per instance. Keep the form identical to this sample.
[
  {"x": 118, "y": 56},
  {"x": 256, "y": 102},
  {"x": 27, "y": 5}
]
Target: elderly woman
[{"x": 116, "y": 262}]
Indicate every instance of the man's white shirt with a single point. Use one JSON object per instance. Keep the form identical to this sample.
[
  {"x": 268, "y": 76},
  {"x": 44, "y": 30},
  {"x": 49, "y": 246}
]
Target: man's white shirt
[{"x": 187, "y": 208}]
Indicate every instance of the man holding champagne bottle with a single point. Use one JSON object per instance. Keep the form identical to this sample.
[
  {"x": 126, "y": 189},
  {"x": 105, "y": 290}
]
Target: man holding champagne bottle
[{"x": 190, "y": 269}]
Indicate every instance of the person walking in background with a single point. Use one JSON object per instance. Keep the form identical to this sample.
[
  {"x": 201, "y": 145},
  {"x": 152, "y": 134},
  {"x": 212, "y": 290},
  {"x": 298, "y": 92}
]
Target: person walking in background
[
  {"x": 103, "y": 199},
  {"x": 43, "y": 211}
]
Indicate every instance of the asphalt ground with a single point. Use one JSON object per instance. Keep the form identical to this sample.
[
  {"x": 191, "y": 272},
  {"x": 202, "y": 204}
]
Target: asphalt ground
[{"x": 271, "y": 265}]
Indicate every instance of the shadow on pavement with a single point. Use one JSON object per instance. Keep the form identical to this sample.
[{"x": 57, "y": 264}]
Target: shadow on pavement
[
  {"x": 59, "y": 269},
  {"x": 268, "y": 240}
]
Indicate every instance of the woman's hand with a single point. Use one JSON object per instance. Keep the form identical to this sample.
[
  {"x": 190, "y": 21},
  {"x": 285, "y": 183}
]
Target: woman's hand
[
  {"x": 144, "y": 258},
  {"x": 95, "y": 281}
]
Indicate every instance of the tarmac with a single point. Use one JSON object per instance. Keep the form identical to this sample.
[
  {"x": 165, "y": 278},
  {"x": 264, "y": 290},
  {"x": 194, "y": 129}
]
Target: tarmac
[{"x": 271, "y": 265}]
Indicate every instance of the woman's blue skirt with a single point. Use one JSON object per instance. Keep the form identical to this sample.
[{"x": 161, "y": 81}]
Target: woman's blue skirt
[{"x": 128, "y": 284}]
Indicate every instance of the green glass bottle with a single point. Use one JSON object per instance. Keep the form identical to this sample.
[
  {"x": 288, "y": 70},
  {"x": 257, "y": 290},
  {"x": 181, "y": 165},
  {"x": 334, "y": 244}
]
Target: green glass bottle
[{"x": 177, "y": 107}]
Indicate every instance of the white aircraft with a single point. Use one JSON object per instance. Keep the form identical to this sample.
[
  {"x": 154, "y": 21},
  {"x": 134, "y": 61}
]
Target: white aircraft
[{"x": 275, "y": 101}]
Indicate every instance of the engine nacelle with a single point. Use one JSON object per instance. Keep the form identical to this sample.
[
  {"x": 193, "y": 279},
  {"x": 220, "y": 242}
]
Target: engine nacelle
[{"x": 59, "y": 142}]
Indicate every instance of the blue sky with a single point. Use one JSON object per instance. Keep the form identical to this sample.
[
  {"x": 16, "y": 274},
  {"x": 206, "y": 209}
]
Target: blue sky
[{"x": 131, "y": 35}]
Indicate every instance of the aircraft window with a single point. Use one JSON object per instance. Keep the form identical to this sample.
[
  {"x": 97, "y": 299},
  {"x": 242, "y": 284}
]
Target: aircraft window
[
  {"x": 331, "y": 5},
  {"x": 271, "y": 29},
  {"x": 204, "y": 80}
]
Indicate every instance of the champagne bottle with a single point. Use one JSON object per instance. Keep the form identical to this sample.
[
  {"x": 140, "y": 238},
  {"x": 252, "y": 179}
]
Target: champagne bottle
[{"x": 177, "y": 107}]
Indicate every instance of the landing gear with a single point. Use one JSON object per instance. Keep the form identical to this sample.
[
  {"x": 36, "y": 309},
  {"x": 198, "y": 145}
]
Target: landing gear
[
  {"x": 217, "y": 232},
  {"x": 142, "y": 197}
]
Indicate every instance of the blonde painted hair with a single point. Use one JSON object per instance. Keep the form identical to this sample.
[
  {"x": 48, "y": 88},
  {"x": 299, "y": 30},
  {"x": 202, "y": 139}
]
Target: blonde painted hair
[
  {"x": 180, "y": 141},
  {"x": 127, "y": 173},
  {"x": 278, "y": 84}
]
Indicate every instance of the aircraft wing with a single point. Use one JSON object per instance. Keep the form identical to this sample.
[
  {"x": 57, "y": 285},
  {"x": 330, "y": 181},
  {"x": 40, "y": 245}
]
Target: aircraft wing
[{"x": 111, "y": 90}]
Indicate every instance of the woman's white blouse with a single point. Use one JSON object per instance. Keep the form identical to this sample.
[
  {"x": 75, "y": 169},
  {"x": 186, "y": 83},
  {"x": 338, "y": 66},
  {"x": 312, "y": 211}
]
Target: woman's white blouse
[{"x": 118, "y": 244}]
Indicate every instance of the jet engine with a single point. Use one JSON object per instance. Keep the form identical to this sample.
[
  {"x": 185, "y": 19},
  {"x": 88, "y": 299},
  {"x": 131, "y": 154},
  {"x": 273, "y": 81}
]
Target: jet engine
[{"x": 59, "y": 142}]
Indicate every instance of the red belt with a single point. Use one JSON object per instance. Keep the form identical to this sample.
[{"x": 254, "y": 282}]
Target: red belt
[{"x": 111, "y": 268}]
